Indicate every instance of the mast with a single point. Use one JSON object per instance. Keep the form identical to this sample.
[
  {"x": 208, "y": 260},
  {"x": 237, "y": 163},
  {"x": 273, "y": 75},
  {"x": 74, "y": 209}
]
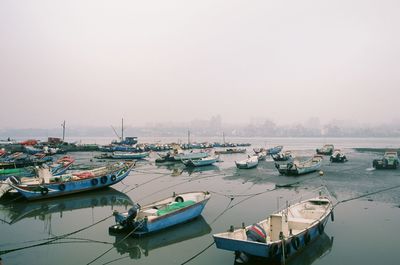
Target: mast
[
  {"x": 63, "y": 126},
  {"x": 223, "y": 136},
  {"x": 122, "y": 129},
  {"x": 188, "y": 137}
]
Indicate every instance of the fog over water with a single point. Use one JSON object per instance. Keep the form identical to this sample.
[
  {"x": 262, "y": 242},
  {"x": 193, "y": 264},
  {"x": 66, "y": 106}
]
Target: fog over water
[{"x": 93, "y": 62}]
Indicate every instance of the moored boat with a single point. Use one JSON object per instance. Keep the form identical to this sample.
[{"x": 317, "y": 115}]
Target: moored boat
[
  {"x": 390, "y": 160},
  {"x": 274, "y": 150},
  {"x": 338, "y": 156},
  {"x": 124, "y": 155},
  {"x": 282, "y": 156},
  {"x": 177, "y": 209},
  {"x": 283, "y": 234},
  {"x": 298, "y": 168},
  {"x": 47, "y": 186},
  {"x": 231, "y": 151},
  {"x": 248, "y": 163},
  {"x": 206, "y": 161},
  {"x": 326, "y": 150}
]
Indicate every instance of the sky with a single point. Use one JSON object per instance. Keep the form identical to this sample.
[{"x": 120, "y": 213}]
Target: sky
[{"x": 93, "y": 62}]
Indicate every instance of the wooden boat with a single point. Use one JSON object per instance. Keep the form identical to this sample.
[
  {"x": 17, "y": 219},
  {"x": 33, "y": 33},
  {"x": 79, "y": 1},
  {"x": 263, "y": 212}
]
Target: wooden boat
[
  {"x": 338, "y": 156},
  {"x": 261, "y": 156},
  {"x": 274, "y": 150},
  {"x": 57, "y": 168},
  {"x": 206, "y": 161},
  {"x": 18, "y": 160},
  {"x": 177, "y": 209},
  {"x": 179, "y": 156},
  {"x": 47, "y": 186},
  {"x": 283, "y": 234},
  {"x": 285, "y": 156},
  {"x": 326, "y": 150},
  {"x": 231, "y": 151},
  {"x": 124, "y": 155},
  {"x": 390, "y": 160},
  {"x": 250, "y": 162},
  {"x": 299, "y": 168}
]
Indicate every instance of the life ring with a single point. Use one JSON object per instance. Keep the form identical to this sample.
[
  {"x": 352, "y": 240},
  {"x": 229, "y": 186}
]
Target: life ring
[
  {"x": 113, "y": 178},
  {"x": 179, "y": 199},
  {"x": 94, "y": 182},
  {"x": 321, "y": 228},
  {"x": 273, "y": 250},
  {"x": 61, "y": 186},
  {"x": 103, "y": 180},
  {"x": 44, "y": 191},
  {"x": 295, "y": 243},
  {"x": 307, "y": 238}
]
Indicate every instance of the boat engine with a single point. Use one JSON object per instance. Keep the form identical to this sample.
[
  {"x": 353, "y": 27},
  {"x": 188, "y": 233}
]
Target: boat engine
[{"x": 132, "y": 213}]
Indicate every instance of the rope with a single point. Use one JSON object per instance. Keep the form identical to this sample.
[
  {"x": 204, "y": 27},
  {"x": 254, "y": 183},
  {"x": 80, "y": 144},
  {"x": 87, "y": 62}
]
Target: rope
[
  {"x": 50, "y": 240},
  {"x": 198, "y": 254}
]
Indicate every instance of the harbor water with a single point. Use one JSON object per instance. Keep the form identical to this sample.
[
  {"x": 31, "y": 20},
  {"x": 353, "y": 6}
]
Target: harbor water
[{"x": 74, "y": 229}]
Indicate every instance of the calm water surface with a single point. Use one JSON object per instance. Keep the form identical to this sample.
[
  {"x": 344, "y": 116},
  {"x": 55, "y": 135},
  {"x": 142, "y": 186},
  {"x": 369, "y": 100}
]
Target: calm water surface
[{"x": 365, "y": 231}]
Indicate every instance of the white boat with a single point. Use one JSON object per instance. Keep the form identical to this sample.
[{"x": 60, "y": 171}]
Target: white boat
[
  {"x": 261, "y": 156},
  {"x": 299, "y": 168},
  {"x": 250, "y": 162},
  {"x": 282, "y": 234},
  {"x": 206, "y": 161}
]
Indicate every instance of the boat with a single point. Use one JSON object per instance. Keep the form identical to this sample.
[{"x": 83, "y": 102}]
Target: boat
[
  {"x": 283, "y": 234},
  {"x": 231, "y": 151},
  {"x": 274, "y": 150},
  {"x": 124, "y": 155},
  {"x": 21, "y": 209},
  {"x": 18, "y": 160},
  {"x": 206, "y": 161},
  {"x": 338, "y": 156},
  {"x": 47, "y": 186},
  {"x": 261, "y": 156},
  {"x": 177, "y": 155},
  {"x": 300, "y": 167},
  {"x": 250, "y": 162},
  {"x": 57, "y": 168},
  {"x": 282, "y": 156},
  {"x": 390, "y": 160},
  {"x": 176, "y": 209},
  {"x": 141, "y": 247},
  {"x": 326, "y": 150}
]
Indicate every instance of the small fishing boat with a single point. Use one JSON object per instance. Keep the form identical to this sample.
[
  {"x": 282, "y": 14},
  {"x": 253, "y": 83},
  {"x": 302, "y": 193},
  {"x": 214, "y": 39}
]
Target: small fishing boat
[
  {"x": 231, "y": 151},
  {"x": 338, "y": 156},
  {"x": 274, "y": 150},
  {"x": 18, "y": 160},
  {"x": 390, "y": 160},
  {"x": 283, "y": 234},
  {"x": 124, "y": 155},
  {"x": 326, "y": 150},
  {"x": 299, "y": 168},
  {"x": 283, "y": 156},
  {"x": 47, "y": 185},
  {"x": 177, "y": 209},
  {"x": 261, "y": 156},
  {"x": 206, "y": 161},
  {"x": 178, "y": 155},
  {"x": 250, "y": 162}
]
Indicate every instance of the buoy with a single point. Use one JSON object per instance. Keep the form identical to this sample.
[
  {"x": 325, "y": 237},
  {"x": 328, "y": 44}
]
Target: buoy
[{"x": 321, "y": 173}]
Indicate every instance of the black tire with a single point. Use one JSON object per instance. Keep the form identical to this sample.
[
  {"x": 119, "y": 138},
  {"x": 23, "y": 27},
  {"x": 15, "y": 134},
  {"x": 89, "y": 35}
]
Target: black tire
[
  {"x": 179, "y": 199},
  {"x": 61, "y": 187},
  {"x": 113, "y": 178},
  {"x": 103, "y": 179},
  {"x": 94, "y": 182},
  {"x": 307, "y": 238},
  {"x": 295, "y": 243},
  {"x": 321, "y": 228},
  {"x": 44, "y": 191},
  {"x": 273, "y": 250}
]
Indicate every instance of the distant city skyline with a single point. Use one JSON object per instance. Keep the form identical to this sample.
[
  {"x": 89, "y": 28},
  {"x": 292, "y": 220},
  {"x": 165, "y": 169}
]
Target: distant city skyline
[{"x": 91, "y": 63}]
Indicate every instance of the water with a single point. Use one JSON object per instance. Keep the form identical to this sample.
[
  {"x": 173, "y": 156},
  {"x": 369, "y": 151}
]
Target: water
[{"x": 365, "y": 231}]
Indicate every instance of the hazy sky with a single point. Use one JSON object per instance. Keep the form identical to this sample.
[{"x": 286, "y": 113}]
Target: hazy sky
[{"x": 93, "y": 62}]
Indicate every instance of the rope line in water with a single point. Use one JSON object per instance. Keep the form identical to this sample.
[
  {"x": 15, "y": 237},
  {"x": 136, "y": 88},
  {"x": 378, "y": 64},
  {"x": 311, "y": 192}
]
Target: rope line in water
[
  {"x": 50, "y": 240},
  {"x": 198, "y": 254}
]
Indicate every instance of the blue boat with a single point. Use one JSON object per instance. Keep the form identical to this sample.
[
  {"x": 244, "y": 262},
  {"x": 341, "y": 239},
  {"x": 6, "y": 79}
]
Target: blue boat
[
  {"x": 282, "y": 234},
  {"x": 47, "y": 186},
  {"x": 177, "y": 209},
  {"x": 274, "y": 150}
]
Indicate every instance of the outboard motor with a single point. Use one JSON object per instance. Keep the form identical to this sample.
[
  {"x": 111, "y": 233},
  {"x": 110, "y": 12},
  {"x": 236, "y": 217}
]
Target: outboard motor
[{"x": 132, "y": 213}]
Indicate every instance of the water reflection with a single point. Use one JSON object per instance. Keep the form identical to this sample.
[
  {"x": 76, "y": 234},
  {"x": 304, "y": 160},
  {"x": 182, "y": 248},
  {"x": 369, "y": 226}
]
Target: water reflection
[
  {"x": 139, "y": 247},
  {"x": 19, "y": 210},
  {"x": 317, "y": 249}
]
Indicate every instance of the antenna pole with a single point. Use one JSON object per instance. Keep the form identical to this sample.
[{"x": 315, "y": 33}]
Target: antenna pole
[
  {"x": 122, "y": 133},
  {"x": 63, "y": 126}
]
